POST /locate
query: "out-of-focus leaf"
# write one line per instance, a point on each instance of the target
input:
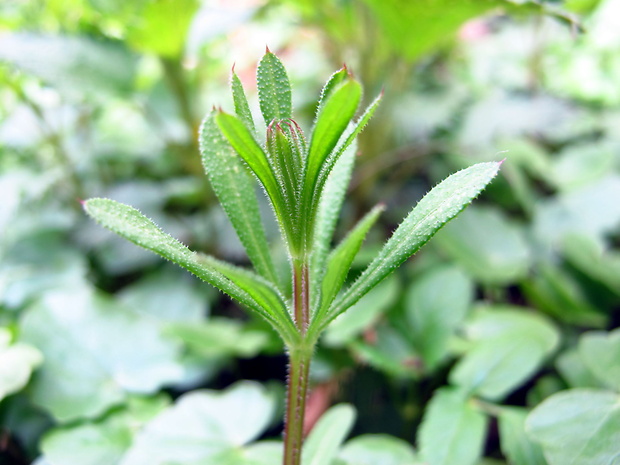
(555, 292)
(438, 207)
(79, 67)
(363, 314)
(589, 256)
(203, 425)
(324, 441)
(488, 245)
(600, 352)
(574, 371)
(577, 427)
(91, 363)
(219, 337)
(580, 165)
(452, 431)
(375, 449)
(101, 442)
(162, 27)
(516, 446)
(17, 362)
(509, 345)
(436, 304)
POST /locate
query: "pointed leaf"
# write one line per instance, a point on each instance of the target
(331, 122)
(242, 108)
(339, 261)
(328, 211)
(242, 140)
(235, 190)
(327, 435)
(452, 431)
(332, 84)
(437, 207)
(274, 89)
(249, 289)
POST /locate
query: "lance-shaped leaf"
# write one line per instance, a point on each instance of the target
(242, 107)
(242, 140)
(248, 288)
(235, 190)
(274, 89)
(332, 120)
(332, 84)
(437, 207)
(339, 262)
(326, 437)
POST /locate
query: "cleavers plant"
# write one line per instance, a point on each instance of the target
(305, 181)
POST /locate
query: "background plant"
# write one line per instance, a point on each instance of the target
(546, 237)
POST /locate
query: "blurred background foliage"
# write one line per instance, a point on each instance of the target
(104, 348)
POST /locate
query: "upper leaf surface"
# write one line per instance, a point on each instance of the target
(274, 89)
(242, 107)
(244, 286)
(235, 190)
(437, 207)
(328, 434)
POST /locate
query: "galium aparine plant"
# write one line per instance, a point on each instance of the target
(305, 179)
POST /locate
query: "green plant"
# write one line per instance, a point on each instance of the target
(305, 182)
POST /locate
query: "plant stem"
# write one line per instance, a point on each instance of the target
(300, 355)
(297, 390)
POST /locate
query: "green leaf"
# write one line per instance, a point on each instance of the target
(600, 352)
(242, 107)
(204, 426)
(363, 314)
(323, 442)
(17, 362)
(83, 373)
(334, 81)
(487, 245)
(331, 122)
(76, 66)
(377, 449)
(435, 314)
(235, 190)
(574, 371)
(509, 345)
(240, 138)
(578, 427)
(515, 444)
(452, 431)
(339, 261)
(242, 285)
(437, 207)
(274, 89)
(162, 27)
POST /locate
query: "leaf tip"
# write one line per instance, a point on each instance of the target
(267, 51)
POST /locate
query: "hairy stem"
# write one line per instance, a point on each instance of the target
(297, 390)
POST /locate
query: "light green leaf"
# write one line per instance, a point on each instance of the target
(242, 107)
(377, 449)
(76, 66)
(362, 314)
(334, 81)
(509, 345)
(162, 27)
(600, 352)
(339, 261)
(437, 207)
(242, 285)
(331, 122)
(574, 371)
(102, 442)
(274, 89)
(203, 425)
(578, 427)
(240, 138)
(488, 245)
(452, 431)
(435, 314)
(235, 190)
(91, 363)
(515, 444)
(323, 442)
(590, 257)
(17, 362)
